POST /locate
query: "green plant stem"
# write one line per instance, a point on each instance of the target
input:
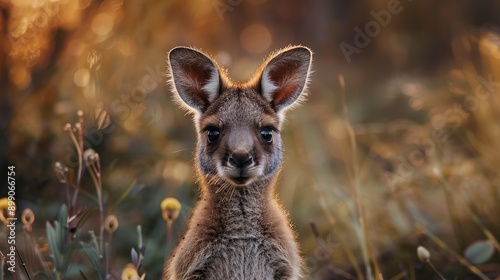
(108, 255)
(139, 237)
(68, 196)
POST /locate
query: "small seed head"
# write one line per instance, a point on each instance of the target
(28, 217)
(436, 171)
(89, 156)
(111, 223)
(61, 172)
(170, 209)
(423, 254)
(130, 273)
(4, 209)
(4, 203)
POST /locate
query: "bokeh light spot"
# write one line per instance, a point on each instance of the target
(126, 46)
(20, 76)
(223, 58)
(82, 77)
(69, 15)
(490, 44)
(409, 89)
(83, 4)
(242, 69)
(177, 171)
(337, 129)
(256, 38)
(416, 103)
(102, 24)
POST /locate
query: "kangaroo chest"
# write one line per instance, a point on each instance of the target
(244, 259)
(240, 242)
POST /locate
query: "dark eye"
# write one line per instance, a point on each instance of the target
(213, 134)
(266, 134)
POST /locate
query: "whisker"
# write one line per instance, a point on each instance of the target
(233, 190)
(221, 188)
(214, 180)
(227, 187)
(182, 150)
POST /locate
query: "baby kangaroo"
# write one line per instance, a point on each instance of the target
(238, 230)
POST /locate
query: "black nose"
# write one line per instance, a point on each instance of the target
(240, 160)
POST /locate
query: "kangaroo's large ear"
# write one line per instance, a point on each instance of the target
(194, 77)
(285, 76)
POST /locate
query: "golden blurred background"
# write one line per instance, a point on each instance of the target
(398, 145)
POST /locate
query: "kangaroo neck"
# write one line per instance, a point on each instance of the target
(238, 212)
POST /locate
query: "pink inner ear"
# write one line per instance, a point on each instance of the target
(285, 77)
(283, 93)
(284, 71)
(196, 77)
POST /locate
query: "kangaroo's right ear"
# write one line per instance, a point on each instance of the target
(194, 77)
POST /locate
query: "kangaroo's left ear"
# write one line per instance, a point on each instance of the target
(285, 75)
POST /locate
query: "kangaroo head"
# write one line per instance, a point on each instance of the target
(238, 125)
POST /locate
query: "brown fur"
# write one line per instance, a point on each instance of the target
(237, 230)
